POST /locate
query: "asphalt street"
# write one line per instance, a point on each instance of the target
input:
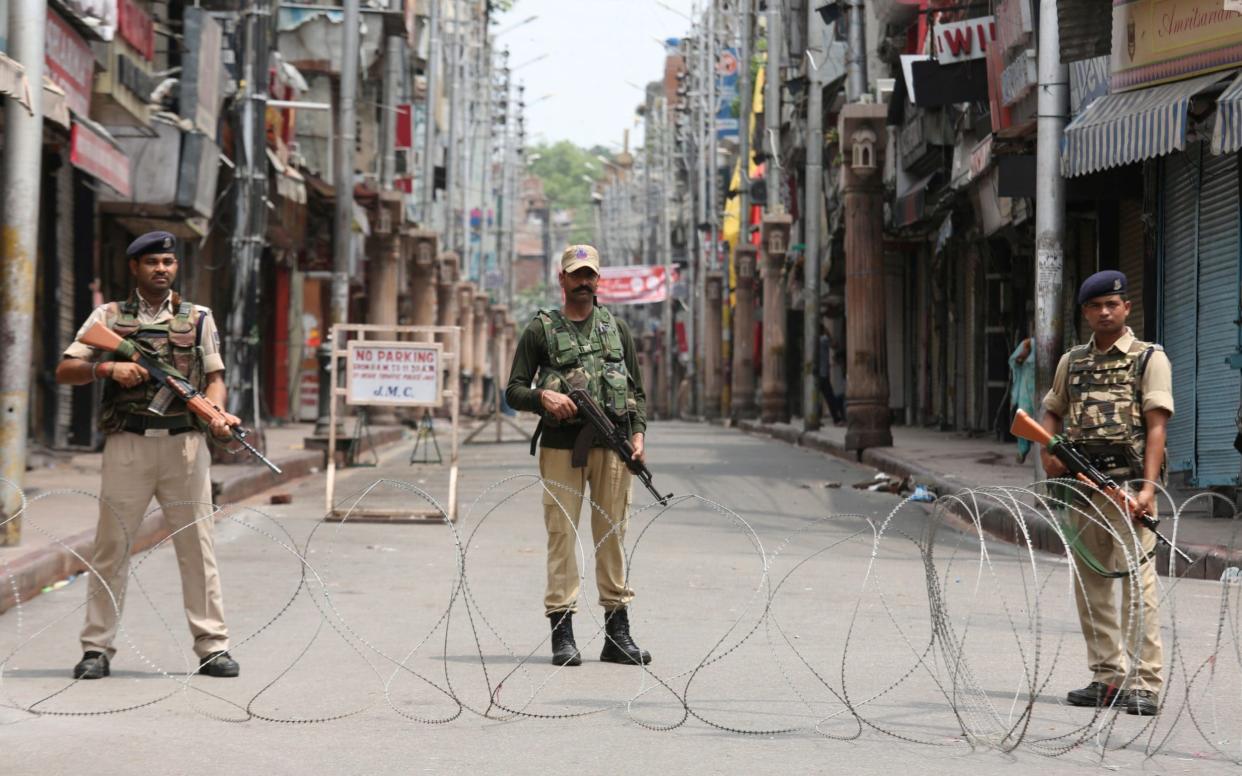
(790, 622)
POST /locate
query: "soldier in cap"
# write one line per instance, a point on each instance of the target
(152, 453)
(581, 345)
(1114, 397)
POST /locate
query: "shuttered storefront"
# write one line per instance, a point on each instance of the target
(1199, 305)
(1130, 258)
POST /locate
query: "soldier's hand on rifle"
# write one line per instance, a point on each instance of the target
(640, 451)
(221, 424)
(127, 374)
(1146, 499)
(558, 405)
(1052, 465)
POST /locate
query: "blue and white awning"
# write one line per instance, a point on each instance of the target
(1128, 127)
(1227, 136)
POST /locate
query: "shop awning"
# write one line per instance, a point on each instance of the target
(1123, 128)
(1227, 136)
(13, 80)
(94, 151)
(55, 104)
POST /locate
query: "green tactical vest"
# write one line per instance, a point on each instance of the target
(1105, 411)
(594, 361)
(175, 342)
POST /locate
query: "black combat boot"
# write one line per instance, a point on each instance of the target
(1143, 703)
(564, 650)
(618, 646)
(219, 664)
(1094, 694)
(93, 665)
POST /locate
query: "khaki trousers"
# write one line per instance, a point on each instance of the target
(172, 469)
(1118, 638)
(609, 482)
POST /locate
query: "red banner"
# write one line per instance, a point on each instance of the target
(70, 63)
(98, 156)
(640, 284)
(405, 128)
(136, 28)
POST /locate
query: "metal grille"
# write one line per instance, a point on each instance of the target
(1179, 234)
(1086, 29)
(1216, 462)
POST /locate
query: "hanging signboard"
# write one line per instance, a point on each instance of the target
(961, 41)
(726, 93)
(136, 28)
(393, 374)
(639, 284)
(97, 155)
(70, 63)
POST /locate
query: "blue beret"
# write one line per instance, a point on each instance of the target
(152, 242)
(1105, 283)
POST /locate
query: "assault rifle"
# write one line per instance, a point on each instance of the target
(169, 379)
(1079, 465)
(599, 424)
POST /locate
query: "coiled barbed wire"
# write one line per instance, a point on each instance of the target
(998, 693)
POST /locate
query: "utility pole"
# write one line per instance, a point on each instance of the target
(666, 251)
(1049, 197)
(856, 53)
(745, 104)
(452, 150)
(250, 218)
(706, 338)
(772, 104)
(811, 213)
(23, 156)
(430, 111)
(345, 164)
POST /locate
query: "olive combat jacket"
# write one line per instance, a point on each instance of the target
(594, 362)
(1105, 412)
(176, 342)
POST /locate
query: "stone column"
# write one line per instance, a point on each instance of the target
(446, 306)
(659, 392)
(383, 289)
(465, 319)
(424, 293)
(497, 352)
(482, 362)
(712, 378)
(742, 390)
(646, 363)
(773, 407)
(867, 414)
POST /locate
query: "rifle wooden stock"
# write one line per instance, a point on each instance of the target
(101, 337)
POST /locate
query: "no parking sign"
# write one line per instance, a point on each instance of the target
(401, 374)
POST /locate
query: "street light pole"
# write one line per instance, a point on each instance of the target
(344, 182)
(430, 111)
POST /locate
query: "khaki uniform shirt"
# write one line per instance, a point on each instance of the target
(1157, 386)
(209, 340)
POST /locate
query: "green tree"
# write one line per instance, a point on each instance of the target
(566, 171)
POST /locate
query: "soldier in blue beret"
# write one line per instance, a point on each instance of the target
(153, 450)
(1113, 396)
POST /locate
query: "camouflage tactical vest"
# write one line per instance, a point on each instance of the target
(594, 361)
(1105, 411)
(175, 342)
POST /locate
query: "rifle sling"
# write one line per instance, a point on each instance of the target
(582, 446)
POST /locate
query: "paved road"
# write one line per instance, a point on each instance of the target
(321, 651)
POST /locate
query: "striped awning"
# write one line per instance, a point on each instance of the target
(1227, 136)
(1119, 129)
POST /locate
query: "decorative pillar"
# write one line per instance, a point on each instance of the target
(496, 353)
(712, 361)
(465, 319)
(772, 405)
(646, 363)
(482, 326)
(424, 293)
(384, 287)
(867, 416)
(742, 389)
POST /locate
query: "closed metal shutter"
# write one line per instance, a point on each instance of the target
(1217, 383)
(1130, 248)
(1179, 234)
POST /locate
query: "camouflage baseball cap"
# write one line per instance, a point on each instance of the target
(576, 257)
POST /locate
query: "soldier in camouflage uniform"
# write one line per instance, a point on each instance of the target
(147, 454)
(1114, 396)
(582, 345)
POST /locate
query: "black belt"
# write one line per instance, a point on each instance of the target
(140, 424)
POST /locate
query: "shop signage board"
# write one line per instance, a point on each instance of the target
(1156, 41)
(965, 40)
(136, 28)
(637, 284)
(98, 156)
(70, 63)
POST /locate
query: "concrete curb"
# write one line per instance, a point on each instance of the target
(33, 571)
(995, 522)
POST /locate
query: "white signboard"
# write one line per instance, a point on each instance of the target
(960, 41)
(396, 374)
